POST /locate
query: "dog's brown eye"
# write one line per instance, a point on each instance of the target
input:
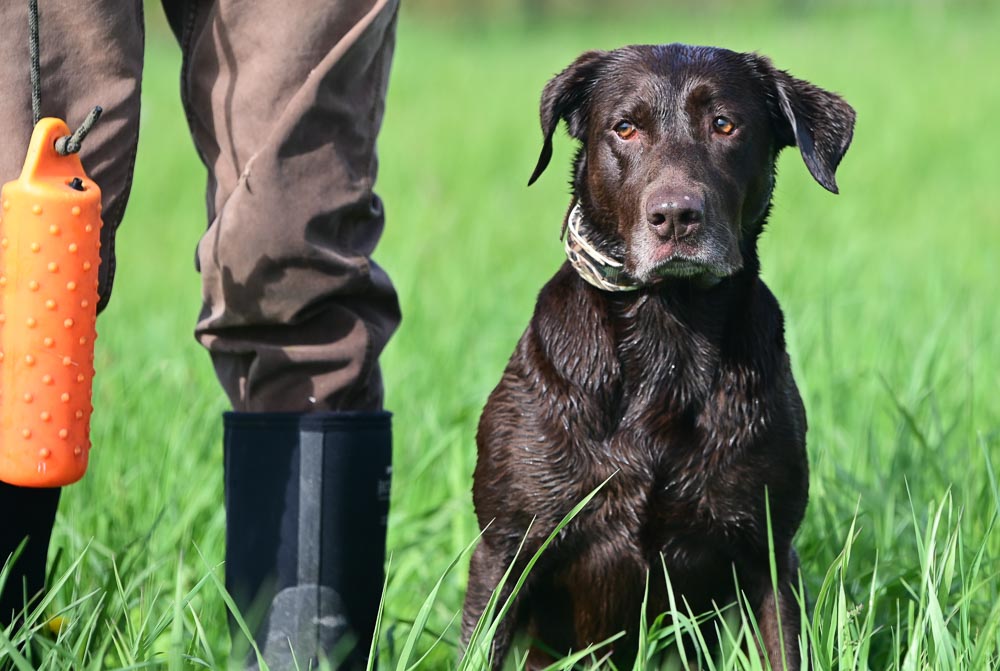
(626, 130)
(723, 125)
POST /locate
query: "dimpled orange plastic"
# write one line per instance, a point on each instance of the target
(49, 255)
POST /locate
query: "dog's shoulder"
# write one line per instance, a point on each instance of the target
(571, 334)
(564, 365)
(567, 303)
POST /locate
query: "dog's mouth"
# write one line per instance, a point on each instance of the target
(676, 259)
(682, 268)
(699, 258)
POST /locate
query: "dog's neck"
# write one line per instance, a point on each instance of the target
(673, 345)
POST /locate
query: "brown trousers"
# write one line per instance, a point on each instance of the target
(284, 101)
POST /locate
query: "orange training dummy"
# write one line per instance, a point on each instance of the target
(50, 223)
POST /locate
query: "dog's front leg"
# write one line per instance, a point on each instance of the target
(486, 570)
(777, 612)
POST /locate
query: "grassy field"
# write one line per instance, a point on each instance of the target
(890, 294)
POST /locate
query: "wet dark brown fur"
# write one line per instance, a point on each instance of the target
(679, 394)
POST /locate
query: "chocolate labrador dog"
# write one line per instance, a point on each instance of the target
(656, 360)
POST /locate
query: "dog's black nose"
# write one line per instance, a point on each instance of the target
(674, 214)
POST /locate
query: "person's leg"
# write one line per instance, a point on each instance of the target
(306, 501)
(32, 524)
(91, 54)
(284, 102)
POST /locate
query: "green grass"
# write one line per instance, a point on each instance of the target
(889, 290)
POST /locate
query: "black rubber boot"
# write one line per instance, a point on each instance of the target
(307, 496)
(27, 513)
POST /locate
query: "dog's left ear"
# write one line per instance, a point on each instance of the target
(819, 122)
(565, 97)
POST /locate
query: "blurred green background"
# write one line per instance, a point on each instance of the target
(889, 290)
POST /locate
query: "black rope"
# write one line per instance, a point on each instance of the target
(69, 144)
(36, 75)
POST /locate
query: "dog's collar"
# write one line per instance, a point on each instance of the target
(601, 271)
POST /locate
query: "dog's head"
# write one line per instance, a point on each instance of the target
(676, 168)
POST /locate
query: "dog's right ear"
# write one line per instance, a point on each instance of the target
(565, 97)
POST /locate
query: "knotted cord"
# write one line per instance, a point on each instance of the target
(69, 144)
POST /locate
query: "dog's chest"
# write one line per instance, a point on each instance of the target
(669, 494)
(683, 462)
